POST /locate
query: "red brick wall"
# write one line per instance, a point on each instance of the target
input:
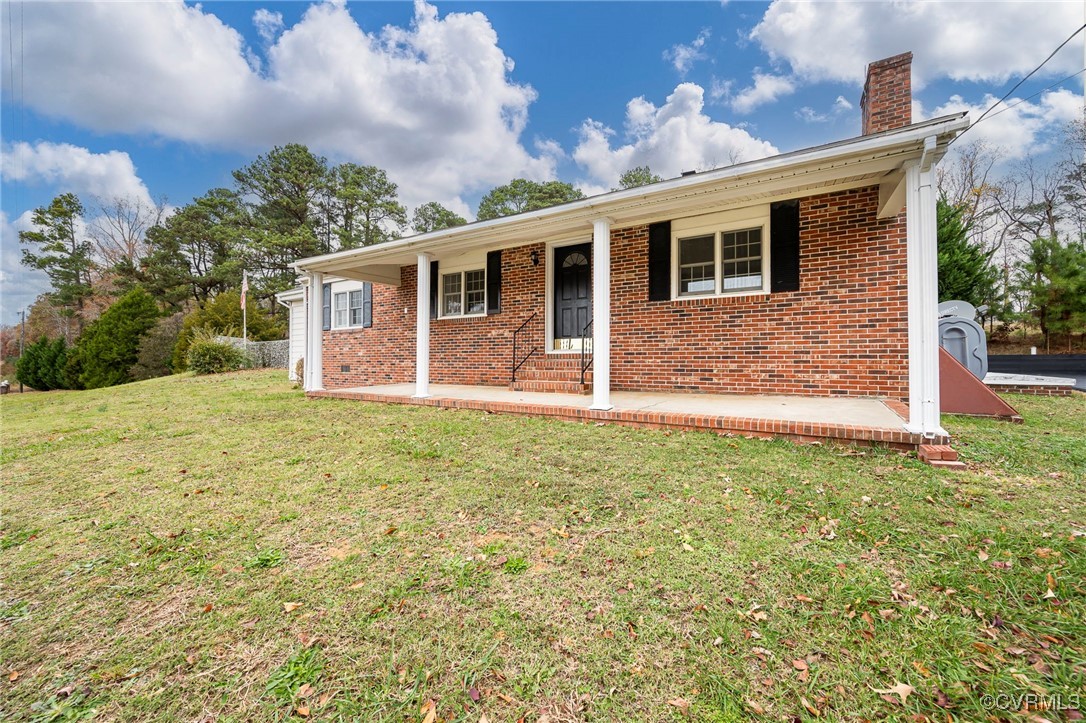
(843, 333)
(887, 100)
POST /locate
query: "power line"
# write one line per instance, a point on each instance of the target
(1019, 83)
(1031, 97)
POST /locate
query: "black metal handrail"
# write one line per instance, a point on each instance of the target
(584, 338)
(518, 364)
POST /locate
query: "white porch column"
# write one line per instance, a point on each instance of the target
(422, 329)
(314, 335)
(601, 314)
(923, 296)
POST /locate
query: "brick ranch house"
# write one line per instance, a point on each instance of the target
(811, 273)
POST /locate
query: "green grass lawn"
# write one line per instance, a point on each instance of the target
(220, 548)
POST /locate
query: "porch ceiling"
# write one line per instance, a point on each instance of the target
(865, 161)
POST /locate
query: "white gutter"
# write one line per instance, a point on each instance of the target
(602, 205)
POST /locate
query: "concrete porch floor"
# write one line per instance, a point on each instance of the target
(858, 420)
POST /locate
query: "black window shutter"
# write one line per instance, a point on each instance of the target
(784, 246)
(326, 307)
(493, 282)
(367, 304)
(433, 289)
(660, 261)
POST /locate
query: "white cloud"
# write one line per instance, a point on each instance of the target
(808, 114)
(958, 40)
(1017, 128)
(677, 136)
(73, 169)
(432, 104)
(21, 285)
(766, 89)
(683, 57)
(269, 24)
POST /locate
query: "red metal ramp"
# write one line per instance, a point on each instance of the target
(962, 393)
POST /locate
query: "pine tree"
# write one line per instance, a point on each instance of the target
(62, 252)
(110, 346)
(965, 270)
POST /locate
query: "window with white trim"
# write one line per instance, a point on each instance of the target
(463, 293)
(721, 262)
(347, 307)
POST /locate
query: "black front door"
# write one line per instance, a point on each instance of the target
(572, 290)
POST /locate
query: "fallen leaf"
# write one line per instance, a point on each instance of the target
(14, 676)
(391, 531)
(804, 598)
(982, 556)
(190, 659)
(473, 693)
(484, 719)
(302, 710)
(207, 608)
(687, 547)
(357, 585)
(305, 691)
(904, 690)
(428, 711)
(682, 704)
(920, 668)
(810, 708)
(942, 699)
(799, 664)
(291, 606)
(755, 707)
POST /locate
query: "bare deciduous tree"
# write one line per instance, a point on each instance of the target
(119, 229)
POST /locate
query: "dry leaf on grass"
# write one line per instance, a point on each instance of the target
(302, 710)
(904, 690)
(810, 708)
(682, 704)
(428, 711)
(290, 607)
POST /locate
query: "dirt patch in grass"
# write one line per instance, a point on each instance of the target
(221, 547)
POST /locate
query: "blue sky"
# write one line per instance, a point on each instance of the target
(164, 100)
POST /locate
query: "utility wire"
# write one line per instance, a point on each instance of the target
(1031, 97)
(1019, 83)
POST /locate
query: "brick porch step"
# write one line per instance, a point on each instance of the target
(936, 452)
(538, 385)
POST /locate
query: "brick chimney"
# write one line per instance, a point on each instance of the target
(887, 102)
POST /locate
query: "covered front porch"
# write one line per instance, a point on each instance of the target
(849, 420)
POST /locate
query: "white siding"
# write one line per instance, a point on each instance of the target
(297, 336)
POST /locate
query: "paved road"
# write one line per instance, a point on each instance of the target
(1072, 366)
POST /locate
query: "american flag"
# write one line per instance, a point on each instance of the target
(244, 287)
